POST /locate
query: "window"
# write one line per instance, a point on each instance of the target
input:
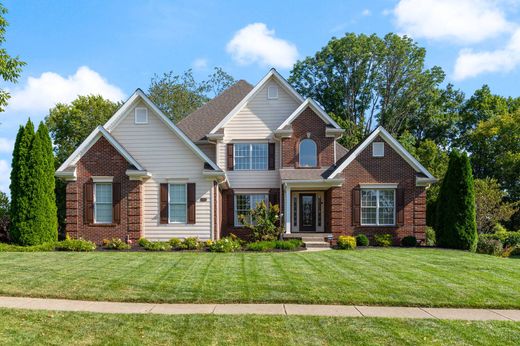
(177, 197)
(378, 207)
(308, 153)
(102, 202)
(272, 92)
(378, 149)
(244, 204)
(141, 115)
(250, 156)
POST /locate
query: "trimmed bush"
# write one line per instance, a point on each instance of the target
(79, 245)
(430, 236)
(362, 240)
(270, 245)
(226, 244)
(456, 225)
(175, 243)
(191, 243)
(512, 239)
(409, 241)
(489, 246)
(261, 246)
(157, 246)
(290, 245)
(143, 242)
(115, 244)
(346, 242)
(34, 248)
(383, 240)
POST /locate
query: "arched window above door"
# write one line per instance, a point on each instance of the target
(308, 153)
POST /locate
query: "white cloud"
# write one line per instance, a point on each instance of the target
(200, 64)
(366, 12)
(255, 43)
(463, 21)
(6, 145)
(5, 172)
(470, 64)
(41, 93)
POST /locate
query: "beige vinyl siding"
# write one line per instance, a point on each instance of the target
(256, 123)
(168, 159)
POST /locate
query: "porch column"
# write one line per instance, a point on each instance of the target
(287, 209)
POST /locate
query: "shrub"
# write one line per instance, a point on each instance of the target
(430, 236)
(515, 251)
(409, 241)
(190, 243)
(115, 244)
(384, 240)
(34, 248)
(260, 246)
(143, 242)
(269, 245)
(79, 245)
(291, 244)
(489, 246)
(175, 243)
(208, 244)
(226, 244)
(362, 240)
(156, 246)
(346, 242)
(512, 239)
(265, 223)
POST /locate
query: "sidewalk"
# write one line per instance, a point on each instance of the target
(261, 309)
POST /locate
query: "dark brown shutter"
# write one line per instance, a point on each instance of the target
(399, 198)
(191, 203)
(272, 156)
(230, 156)
(163, 207)
(230, 208)
(88, 205)
(274, 196)
(356, 206)
(116, 203)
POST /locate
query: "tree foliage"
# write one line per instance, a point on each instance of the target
(4, 217)
(491, 206)
(179, 95)
(455, 216)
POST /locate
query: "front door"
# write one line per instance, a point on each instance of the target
(307, 212)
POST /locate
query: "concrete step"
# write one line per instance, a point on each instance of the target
(316, 244)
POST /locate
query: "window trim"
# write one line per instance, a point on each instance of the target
(377, 224)
(236, 222)
(300, 151)
(185, 203)
(382, 154)
(250, 144)
(135, 116)
(111, 203)
(269, 96)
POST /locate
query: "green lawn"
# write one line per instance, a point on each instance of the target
(396, 276)
(52, 328)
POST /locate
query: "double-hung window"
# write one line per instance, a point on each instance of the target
(245, 203)
(250, 156)
(177, 203)
(378, 207)
(103, 203)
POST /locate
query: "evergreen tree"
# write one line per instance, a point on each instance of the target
(456, 213)
(20, 208)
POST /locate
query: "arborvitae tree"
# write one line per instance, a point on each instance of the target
(19, 190)
(456, 225)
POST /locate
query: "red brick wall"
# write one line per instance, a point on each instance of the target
(308, 122)
(391, 168)
(103, 160)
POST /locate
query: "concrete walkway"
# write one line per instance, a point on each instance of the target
(261, 309)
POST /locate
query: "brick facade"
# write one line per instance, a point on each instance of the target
(103, 160)
(308, 122)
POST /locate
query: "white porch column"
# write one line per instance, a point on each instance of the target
(287, 209)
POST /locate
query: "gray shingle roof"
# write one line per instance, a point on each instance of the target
(301, 173)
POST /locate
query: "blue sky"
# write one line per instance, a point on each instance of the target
(114, 47)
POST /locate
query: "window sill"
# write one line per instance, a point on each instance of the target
(382, 226)
(102, 224)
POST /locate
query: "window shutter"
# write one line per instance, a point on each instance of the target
(230, 156)
(88, 205)
(356, 206)
(272, 156)
(399, 198)
(274, 196)
(191, 203)
(163, 207)
(230, 208)
(116, 203)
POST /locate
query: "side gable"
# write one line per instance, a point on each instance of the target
(382, 133)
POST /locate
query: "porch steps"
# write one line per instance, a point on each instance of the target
(312, 241)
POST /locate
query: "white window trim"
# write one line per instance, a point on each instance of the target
(269, 96)
(374, 144)
(377, 224)
(95, 202)
(236, 222)
(251, 156)
(186, 203)
(135, 115)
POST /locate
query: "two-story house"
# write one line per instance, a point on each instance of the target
(140, 175)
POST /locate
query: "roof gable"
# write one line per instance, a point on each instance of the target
(387, 137)
(272, 74)
(316, 108)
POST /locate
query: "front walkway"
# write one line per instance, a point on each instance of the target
(261, 309)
